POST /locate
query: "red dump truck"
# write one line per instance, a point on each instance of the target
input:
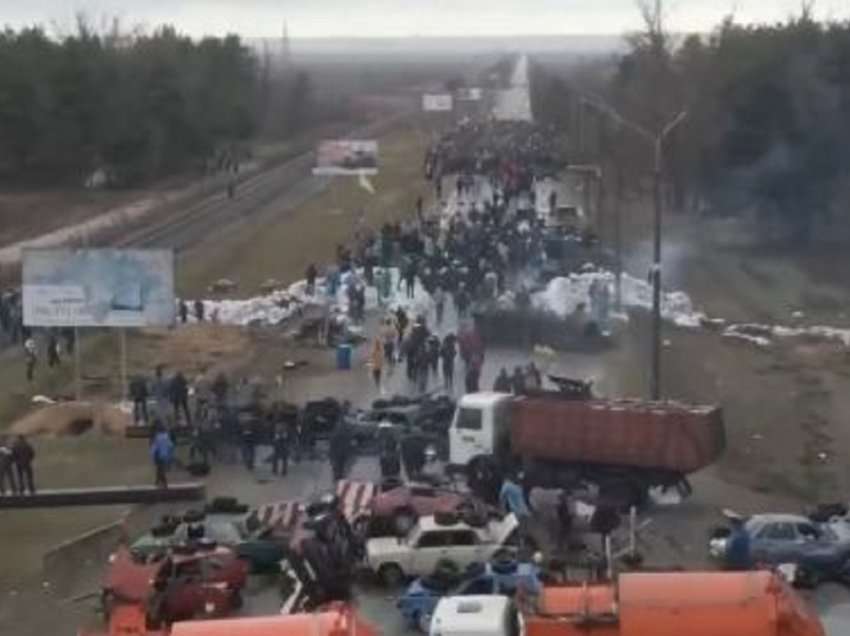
(624, 447)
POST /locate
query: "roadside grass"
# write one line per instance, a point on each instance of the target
(284, 241)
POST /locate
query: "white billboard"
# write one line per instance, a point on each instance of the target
(437, 102)
(98, 288)
(347, 157)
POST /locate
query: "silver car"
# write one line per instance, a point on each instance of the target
(820, 551)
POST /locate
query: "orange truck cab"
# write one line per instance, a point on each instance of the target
(673, 604)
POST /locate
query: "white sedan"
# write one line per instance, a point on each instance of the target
(428, 542)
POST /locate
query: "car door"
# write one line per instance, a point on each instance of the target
(430, 547)
(465, 547)
(776, 542)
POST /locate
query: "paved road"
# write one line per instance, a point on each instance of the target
(514, 103)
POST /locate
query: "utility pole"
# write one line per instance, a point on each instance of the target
(657, 141)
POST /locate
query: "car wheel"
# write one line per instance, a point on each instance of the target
(423, 622)
(403, 521)
(391, 575)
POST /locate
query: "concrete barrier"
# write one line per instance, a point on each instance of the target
(79, 562)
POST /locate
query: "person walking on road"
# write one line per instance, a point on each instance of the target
(199, 310)
(162, 452)
(512, 500)
(183, 310)
(503, 382)
(7, 474)
(448, 353)
(161, 394)
(340, 446)
(439, 305)
(23, 455)
(280, 451)
(376, 361)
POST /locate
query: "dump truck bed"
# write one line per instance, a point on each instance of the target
(651, 435)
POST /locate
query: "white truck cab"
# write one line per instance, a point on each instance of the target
(476, 616)
(481, 420)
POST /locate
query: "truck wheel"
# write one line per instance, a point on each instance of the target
(391, 575)
(403, 520)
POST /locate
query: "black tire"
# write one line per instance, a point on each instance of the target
(391, 575)
(403, 521)
(194, 516)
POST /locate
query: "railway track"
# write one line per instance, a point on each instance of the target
(183, 228)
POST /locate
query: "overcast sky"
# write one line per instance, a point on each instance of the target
(317, 18)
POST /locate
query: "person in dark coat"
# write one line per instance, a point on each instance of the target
(340, 448)
(448, 353)
(199, 310)
(503, 382)
(311, 275)
(7, 463)
(183, 310)
(53, 359)
(472, 379)
(517, 384)
(23, 455)
(139, 395)
(388, 453)
(179, 390)
(280, 447)
(413, 456)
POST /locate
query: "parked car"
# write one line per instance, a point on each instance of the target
(820, 551)
(206, 581)
(260, 536)
(395, 510)
(394, 559)
(502, 577)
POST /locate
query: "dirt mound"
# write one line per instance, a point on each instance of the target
(73, 418)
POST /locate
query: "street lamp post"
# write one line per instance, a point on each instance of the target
(657, 141)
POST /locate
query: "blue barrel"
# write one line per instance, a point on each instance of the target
(343, 357)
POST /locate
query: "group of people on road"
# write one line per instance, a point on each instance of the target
(16, 466)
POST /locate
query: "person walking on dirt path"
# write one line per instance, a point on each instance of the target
(180, 398)
(389, 335)
(376, 361)
(7, 474)
(199, 310)
(31, 353)
(23, 454)
(162, 452)
(448, 353)
(53, 359)
(139, 395)
(183, 310)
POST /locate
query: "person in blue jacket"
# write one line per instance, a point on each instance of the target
(162, 452)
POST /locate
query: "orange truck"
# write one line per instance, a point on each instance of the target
(664, 604)
(334, 620)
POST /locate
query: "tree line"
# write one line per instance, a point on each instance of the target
(137, 107)
(768, 126)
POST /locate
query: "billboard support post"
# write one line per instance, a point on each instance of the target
(123, 364)
(78, 388)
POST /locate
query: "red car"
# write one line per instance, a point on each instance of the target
(394, 508)
(186, 584)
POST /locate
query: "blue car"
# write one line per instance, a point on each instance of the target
(504, 577)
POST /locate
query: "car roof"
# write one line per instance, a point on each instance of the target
(428, 523)
(483, 399)
(475, 614)
(762, 519)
